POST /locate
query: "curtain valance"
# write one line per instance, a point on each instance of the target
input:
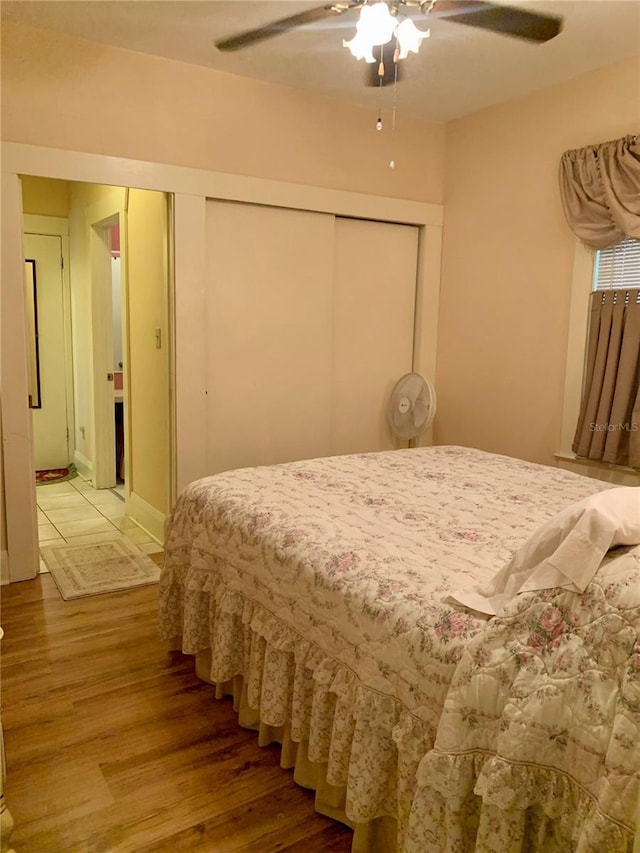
(600, 191)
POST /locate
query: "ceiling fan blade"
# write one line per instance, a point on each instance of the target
(391, 68)
(508, 20)
(275, 28)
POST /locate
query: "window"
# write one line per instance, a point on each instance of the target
(618, 266)
(608, 416)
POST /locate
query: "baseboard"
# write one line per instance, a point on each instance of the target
(147, 516)
(4, 568)
(84, 466)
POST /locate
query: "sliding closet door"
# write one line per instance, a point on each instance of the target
(373, 310)
(270, 334)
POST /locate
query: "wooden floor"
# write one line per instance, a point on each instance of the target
(113, 744)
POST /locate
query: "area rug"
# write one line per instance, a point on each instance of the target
(81, 570)
(55, 475)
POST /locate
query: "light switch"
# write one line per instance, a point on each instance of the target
(158, 338)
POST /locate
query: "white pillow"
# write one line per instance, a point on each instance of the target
(566, 551)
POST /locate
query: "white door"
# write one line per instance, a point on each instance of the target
(269, 291)
(374, 293)
(50, 426)
(310, 322)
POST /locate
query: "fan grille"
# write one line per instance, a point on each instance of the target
(412, 406)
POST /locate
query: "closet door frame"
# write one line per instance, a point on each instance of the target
(190, 189)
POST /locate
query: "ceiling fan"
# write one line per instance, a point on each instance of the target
(506, 20)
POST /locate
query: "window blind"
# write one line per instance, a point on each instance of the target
(618, 266)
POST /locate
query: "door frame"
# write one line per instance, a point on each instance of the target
(104, 435)
(56, 226)
(190, 188)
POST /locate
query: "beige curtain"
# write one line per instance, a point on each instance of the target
(609, 423)
(600, 191)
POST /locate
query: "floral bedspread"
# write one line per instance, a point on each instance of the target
(542, 722)
(323, 582)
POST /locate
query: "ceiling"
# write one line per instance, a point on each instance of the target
(459, 70)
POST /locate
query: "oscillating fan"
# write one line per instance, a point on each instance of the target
(412, 406)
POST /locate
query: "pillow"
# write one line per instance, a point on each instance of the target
(565, 552)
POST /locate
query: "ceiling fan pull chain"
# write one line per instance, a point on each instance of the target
(379, 121)
(392, 162)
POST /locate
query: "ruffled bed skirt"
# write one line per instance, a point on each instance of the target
(357, 747)
(379, 834)
(371, 762)
(486, 824)
(479, 803)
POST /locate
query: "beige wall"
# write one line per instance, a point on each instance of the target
(508, 253)
(45, 196)
(148, 374)
(63, 92)
(507, 261)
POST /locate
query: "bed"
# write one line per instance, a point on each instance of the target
(316, 593)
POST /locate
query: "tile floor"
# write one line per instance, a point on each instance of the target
(75, 512)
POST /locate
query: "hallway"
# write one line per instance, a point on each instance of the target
(74, 512)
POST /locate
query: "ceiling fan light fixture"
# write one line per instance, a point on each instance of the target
(375, 27)
(361, 48)
(409, 37)
(376, 23)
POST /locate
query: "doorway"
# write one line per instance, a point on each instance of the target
(51, 388)
(115, 387)
(118, 359)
